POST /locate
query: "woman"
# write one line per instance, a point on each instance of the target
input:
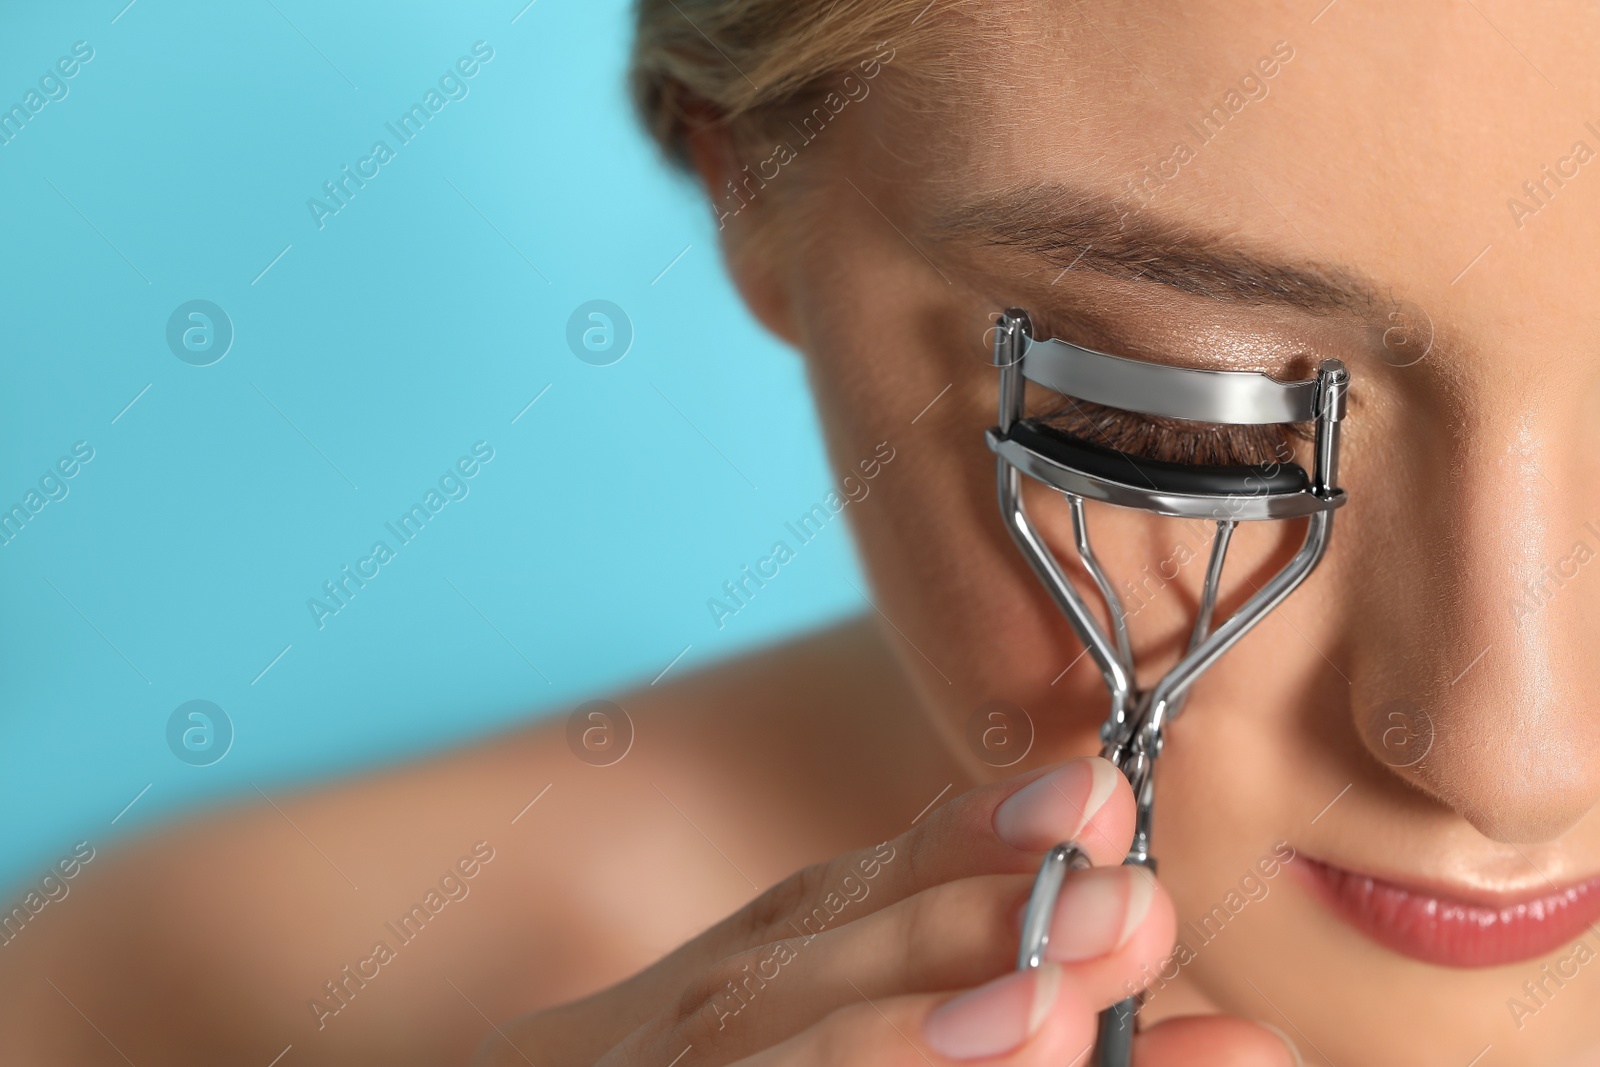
(1372, 815)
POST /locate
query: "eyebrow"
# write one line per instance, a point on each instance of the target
(1076, 230)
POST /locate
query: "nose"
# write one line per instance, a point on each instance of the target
(1476, 686)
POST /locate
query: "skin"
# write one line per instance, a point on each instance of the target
(1384, 151)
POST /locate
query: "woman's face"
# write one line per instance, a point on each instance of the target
(1413, 189)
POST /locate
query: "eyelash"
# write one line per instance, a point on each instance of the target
(1174, 440)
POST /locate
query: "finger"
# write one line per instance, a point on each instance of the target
(999, 828)
(1112, 925)
(1023, 1019)
(1214, 1041)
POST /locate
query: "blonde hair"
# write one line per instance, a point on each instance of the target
(701, 63)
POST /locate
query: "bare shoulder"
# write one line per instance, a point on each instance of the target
(399, 909)
(712, 787)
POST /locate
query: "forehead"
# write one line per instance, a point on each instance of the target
(1433, 147)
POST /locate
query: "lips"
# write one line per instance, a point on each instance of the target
(1450, 931)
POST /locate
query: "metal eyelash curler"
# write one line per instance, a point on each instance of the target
(1133, 732)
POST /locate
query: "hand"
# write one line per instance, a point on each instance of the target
(903, 954)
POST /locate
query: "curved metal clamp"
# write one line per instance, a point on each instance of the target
(1042, 901)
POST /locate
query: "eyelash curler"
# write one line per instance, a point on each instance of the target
(1082, 470)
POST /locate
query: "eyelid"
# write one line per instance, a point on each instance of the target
(1223, 348)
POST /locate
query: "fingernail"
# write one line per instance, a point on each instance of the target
(1056, 807)
(1294, 1050)
(995, 1018)
(1097, 913)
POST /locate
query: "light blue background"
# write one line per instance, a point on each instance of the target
(369, 357)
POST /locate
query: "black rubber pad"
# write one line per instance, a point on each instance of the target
(1160, 475)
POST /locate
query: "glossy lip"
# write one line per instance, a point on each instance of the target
(1452, 931)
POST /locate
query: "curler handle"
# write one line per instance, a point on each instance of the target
(1113, 1045)
(1114, 1040)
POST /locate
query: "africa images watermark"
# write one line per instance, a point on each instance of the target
(1253, 887)
(1000, 733)
(454, 885)
(1198, 537)
(1139, 591)
(852, 889)
(1538, 193)
(452, 485)
(452, 86)
(52, 888)
(52, 88)
(52, 487)
(741, 590)
(1553, 577)
(1537, 993)
(1251, 87)
(853, 89)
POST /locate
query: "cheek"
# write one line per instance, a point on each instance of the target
(1157, 567)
